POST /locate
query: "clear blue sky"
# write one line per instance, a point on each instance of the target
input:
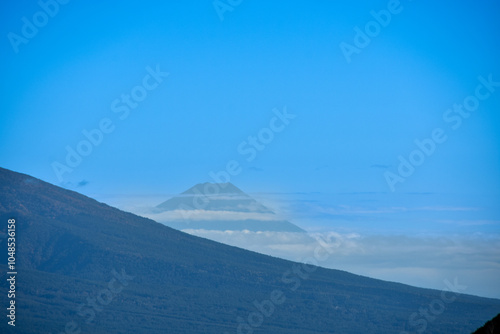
(353, 119)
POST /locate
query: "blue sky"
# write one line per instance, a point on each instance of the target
(353, 119)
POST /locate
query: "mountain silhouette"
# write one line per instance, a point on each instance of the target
(214, 197)
(86, 267)
(491, 327)
(221, 207)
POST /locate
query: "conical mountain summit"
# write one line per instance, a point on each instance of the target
(219, 206)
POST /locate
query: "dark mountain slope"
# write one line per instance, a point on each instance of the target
(491, 327)
(71, 251)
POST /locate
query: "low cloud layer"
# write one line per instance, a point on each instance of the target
(421, 261)
(199, 215)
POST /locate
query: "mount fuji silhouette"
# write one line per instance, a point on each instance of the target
(221, 207)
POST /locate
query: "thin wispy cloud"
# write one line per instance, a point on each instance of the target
(471, 222)
(82, 183)
(380, 166)
(255, 169)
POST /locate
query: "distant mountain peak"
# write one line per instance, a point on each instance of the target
(219, 206)
(210, 189)
(214, 197)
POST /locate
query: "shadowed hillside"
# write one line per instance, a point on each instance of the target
(491, 327)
